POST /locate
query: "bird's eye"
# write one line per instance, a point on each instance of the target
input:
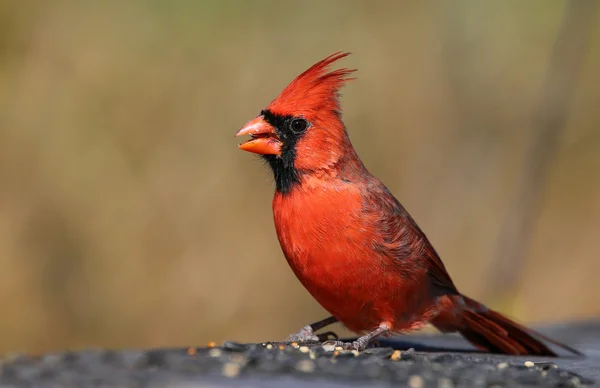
(298, 125)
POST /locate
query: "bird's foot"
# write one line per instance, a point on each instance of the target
(307, 334)
(360, 344)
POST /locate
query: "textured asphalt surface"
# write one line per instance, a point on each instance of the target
(414, 361)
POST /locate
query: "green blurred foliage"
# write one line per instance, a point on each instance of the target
(129, 218)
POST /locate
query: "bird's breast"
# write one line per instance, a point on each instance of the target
(329, 242)
(320, 231)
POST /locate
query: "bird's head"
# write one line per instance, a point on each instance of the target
(301, 131)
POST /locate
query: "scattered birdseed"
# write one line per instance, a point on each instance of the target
(212, 344)
(191, 351)
(304, 349)
(281, 347)
(231, 369)
(529, 364)
(336, 353)
(416, 382)
(305, 366)
(215, 352)
(396, 355)
(148, 367)
(295, 344)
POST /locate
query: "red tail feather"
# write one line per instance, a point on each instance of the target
(491, 331)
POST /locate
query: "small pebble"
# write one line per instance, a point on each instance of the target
(212, 344)
(231, 369)
(529, 364)
(396, 355)
(305, 366)
(304, 349)
(416, 382)
(502, 365)
(269, 346)
(215, 352)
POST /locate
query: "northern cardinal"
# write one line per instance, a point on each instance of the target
(349, 240)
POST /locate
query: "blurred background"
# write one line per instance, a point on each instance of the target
(129, 218)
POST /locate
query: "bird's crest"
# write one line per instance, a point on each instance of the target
(313, 90)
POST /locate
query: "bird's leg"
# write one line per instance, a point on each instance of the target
(362, 342)
(307, 333)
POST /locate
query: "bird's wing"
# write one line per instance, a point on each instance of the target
(402, 237)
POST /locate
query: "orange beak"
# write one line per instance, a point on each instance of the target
(263, 138)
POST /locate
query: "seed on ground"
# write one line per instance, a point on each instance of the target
(215, 352)
(231, 369)
(502, 365)
(416, 382)
(305, 366)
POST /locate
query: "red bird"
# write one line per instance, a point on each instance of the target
(349, 241)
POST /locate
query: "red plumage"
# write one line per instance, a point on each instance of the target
(313, 90)
(348, 240)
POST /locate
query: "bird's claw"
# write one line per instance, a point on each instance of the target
(306, 334)
(354, 345)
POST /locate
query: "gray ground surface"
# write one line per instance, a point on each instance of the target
(437, 361)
